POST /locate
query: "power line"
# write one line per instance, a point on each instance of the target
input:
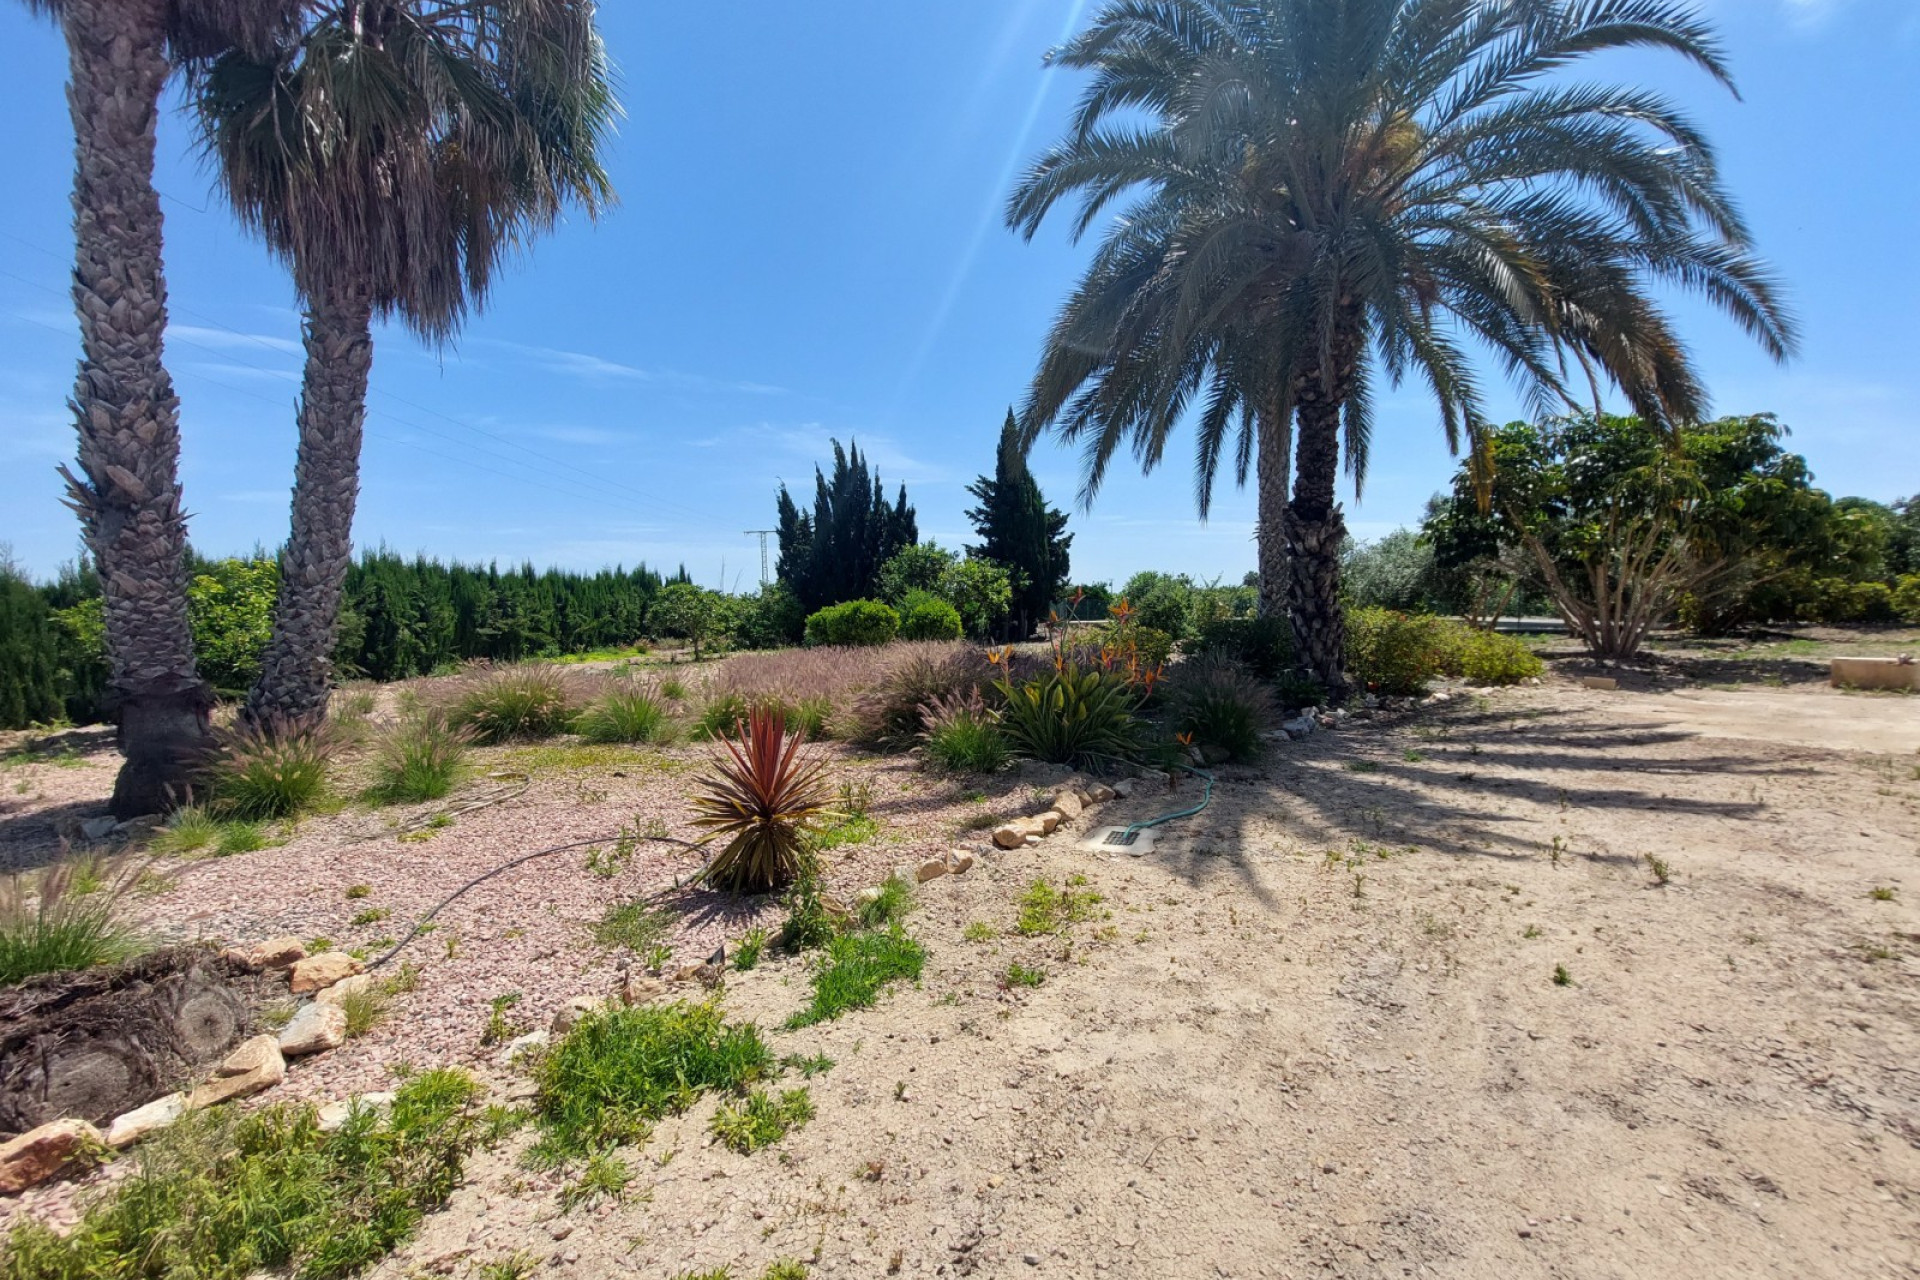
(763, 533)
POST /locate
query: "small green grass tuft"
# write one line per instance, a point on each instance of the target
(746, 954)
(855, 828)
(372, 915)
(1019, 975)
(633, 925)
(604, 1177)
(855, 968)
(761, 1119)
(359, 891)
(1662, 869)
(895, 900)
(1881, 893)
(1561, 978)
(979, 931)
(1045, 909)
(47, 924)
(241, 837)
(808, 1067)
(189, 830)
(515, 1266)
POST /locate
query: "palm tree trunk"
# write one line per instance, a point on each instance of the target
(1276, 448)
(129, 500)
(296, 674)
(1315, 531)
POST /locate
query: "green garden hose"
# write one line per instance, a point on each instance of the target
(1126, 837)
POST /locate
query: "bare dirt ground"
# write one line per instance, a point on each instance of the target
(1315, 1031)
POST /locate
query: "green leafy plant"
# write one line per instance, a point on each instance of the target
(1394, 653)
(421, 757)
(617, 1072)
(808, 924)
(189, 830)
(1084, 717)
(1217, 702)
(926, 617)
(224, 1194)
(746, 954)
(259, 772)
(1488, 658)
(47, 926)
(516, 704)
(1561, 978)
(763, 796)
(604, 1177)
(979, 931)
(240, 837)
(761, 1119)
(632, 713)
(854, 969)
(1881, 893)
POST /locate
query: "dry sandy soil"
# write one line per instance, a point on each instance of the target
(1315, 1031)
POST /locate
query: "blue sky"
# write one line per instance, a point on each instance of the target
(809, 246)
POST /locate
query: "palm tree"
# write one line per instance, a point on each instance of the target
(393, 155)
(1335, 188)
(120, 53)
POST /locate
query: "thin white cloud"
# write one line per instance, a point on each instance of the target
(231, 339)
(221, 369)
(593, 368)
(256, 497)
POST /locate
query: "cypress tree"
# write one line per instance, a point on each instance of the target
(1019, 530)
(835, 553)
(29, 657)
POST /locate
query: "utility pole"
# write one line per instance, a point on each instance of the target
(762, 534)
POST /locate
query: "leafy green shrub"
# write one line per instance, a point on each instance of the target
(1294, 689)
(856, 622)
(926, 617)
(225, 1194)
(268, 771)
(1489, 658)
(761, 1120)
(50, 921)
(1074, 716)
(516, 703)
(420, 758)
(1265, 645)
(855, 968)
(1217, 700)
(1395, 653)
(1906, 598)
(617, 1072)
(962, 734)
(1162, 601)
(633, 713)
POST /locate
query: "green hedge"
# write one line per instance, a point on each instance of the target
(927, 617)
(856, 622)
(1398, 654)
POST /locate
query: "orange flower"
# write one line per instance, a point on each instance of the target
(1121, 611)
(1184, 739)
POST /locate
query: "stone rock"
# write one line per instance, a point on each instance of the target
(1299, 726)
(576, 1008)
(277, 953)
(1100, 793)
(316, 973)
(867, 896)
(98, 828)
(315, 1028)
(1123, 788)
(141, 1121)
(1011, 835)
(1068, 805)
(523, 1044)
(342, 989)
(335, 1114)
(1045, 824)
(1605, 684)
(640, 988)
(707, 975)
(1215, 755)
(931, 869)
(1032, 841)
(959, 862)
(1040, 771)
(1197, 756)
(40, 1154)
(254, 1067)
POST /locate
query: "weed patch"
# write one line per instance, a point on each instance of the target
(1045, 909)
(855, 968)
(761, 1119)
(633, 925)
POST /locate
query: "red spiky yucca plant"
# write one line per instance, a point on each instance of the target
(764, 794)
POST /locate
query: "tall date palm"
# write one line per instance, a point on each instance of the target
(1330, 189)
(393, 155)
(127, 495)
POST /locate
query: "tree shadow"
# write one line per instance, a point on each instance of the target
(29, 841)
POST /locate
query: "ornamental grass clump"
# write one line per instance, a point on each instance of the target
(765, 794)
(66, 916)
(516, 704)
(265, 771)
(420, 758)
(627, 713)
(1216, 701)
(961, 733)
